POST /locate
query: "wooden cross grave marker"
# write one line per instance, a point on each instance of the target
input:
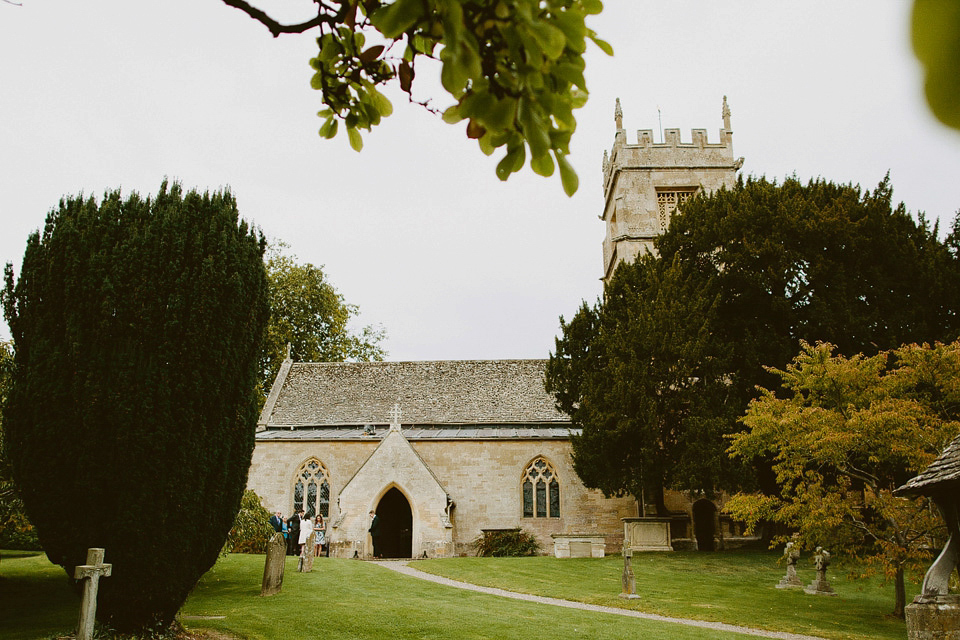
(90, 573)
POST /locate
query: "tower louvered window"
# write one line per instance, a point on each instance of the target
(668, 201)
(541, 491)
(311, 489)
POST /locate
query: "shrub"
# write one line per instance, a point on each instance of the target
(251, 530)
(509, 542)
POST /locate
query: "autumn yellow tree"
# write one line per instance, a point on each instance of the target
(843, 434)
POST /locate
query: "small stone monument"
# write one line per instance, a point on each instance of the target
(305, 564)
(935, 613)
(90, 573)
(273, 565)
(820, 586)
(790, 581)
(629, 581)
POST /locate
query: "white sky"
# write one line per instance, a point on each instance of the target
(416, 229)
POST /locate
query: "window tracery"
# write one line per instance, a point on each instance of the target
(668, 201)
(541, 490)
(311, 489)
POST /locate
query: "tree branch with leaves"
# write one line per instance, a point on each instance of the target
(514, 67)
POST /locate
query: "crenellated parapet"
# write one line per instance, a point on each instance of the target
(644, 182)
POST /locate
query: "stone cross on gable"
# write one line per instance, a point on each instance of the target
(395, 417)
(90, 573)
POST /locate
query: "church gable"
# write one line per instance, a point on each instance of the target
(395, 467)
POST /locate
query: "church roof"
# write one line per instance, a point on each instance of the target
(943, 474)
(436, 396)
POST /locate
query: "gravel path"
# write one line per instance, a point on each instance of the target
(401, 566)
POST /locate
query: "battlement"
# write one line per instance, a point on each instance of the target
(671, 152)
(644, 183)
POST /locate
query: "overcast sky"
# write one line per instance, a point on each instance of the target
(416, 229)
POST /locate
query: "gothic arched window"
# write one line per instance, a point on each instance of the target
(311, 489)
(541, 490)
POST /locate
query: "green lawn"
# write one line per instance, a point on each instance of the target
(733, 587)
(352, 599)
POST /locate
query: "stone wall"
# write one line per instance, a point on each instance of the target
(482, 477)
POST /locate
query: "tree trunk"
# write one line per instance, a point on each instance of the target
(898, 609)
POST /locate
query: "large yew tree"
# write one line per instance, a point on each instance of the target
(658, 371)
(131, 413)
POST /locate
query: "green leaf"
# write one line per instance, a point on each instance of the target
(502, 114)
(568, 177)
(512, 162)
(393, 19)
(592, 7)
(356, 141)
(452, 114)
(380, 101)
(936, 25)
(551, 39)
(603, 44)
(329, 128)
(542, 165)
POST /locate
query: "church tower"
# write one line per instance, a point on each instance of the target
(643, 183)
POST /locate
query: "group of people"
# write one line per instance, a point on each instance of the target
(297, 528)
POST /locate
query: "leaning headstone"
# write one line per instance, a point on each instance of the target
(935, 613)
(820, 586)
(273, 566)
(790, 581)
(90, 574)
(628, 579)
(305, 564)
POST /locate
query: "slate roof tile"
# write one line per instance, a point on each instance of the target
(446, 392)
(942, 474)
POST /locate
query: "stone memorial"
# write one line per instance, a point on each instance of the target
(646, 534)
(90, 573)
(790, 581)
(274, 565)
(628, 579)
(578, 545)
(935, 613)
(820, 586)
(305, 563)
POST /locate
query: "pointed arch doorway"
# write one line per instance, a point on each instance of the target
(396, 525)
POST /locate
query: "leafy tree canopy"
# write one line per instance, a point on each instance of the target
(132, 407)
(661, 368)
(845, 433)
(310, 315)
(514, 67)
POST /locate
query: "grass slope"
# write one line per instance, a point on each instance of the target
(350, 599)
(733, 587)
(341, 599)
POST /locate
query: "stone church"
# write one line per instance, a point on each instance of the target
(445, 450)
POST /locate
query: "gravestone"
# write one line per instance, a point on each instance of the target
(273, 565)
(790, 581)
(628, 579)
(90, 574)
(935, 613)
(820, 586)
(305, 564)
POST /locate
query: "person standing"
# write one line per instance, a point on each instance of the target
(375, 533)
(276, 521)
(293, 529)
(320, 538)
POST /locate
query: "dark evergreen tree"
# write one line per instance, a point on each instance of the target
(659, 370)
(130, 417)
